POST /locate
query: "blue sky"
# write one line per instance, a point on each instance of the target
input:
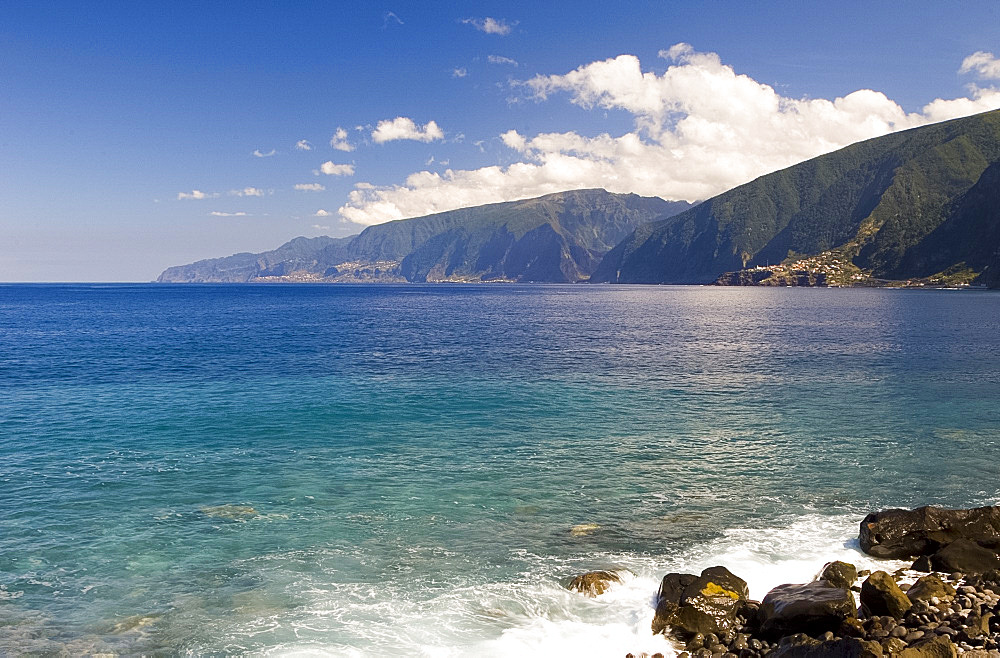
(134, 136)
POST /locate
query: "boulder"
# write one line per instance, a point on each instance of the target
(801, 646)
(881, 596)
(938, 647)
(594, 583)
(928, 587)
(668, 599)
(839, 574)
(813, 608)
(708, 604)
(965, 556)
(900, 533)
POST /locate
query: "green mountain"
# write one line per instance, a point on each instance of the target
(555, 238)
(910, 204)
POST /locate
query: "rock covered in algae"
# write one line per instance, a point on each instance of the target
(230, 512)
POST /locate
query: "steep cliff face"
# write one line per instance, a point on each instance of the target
(903, 205)
(555, 238)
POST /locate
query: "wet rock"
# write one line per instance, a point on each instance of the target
(594, 583)
(839, 574)
(708, 604)
(881, 596)
(966, 556)
(930, 587)
(900, 533)
(669, 598)
(938, 647)
(922, 563)
(813, 608)
(805, 647)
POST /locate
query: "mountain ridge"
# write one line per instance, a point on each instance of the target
(558, 237)
(876, 201)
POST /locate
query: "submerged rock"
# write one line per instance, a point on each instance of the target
(594, 583)
(230, 512)
(813, 608)
(582, 529)
(901, 533)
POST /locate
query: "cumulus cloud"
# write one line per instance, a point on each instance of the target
(303, 145)
(404, 128)
(262, 154)
(322, 213)
(339, 141)
(500, 59)
(216, 213)
(309, 187)
(459, 72)
(699, 129)
(490, 25)
(331, 169)
(195, 195)
(247, 191)
(983, 63)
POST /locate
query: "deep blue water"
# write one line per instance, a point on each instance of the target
(417, 457)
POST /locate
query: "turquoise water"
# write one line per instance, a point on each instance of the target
(398, 470)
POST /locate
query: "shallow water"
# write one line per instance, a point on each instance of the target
(365, 470)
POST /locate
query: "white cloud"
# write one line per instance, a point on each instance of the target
(500, 59)
(983, 63)
(322, 213)
(490, 25)
(339, 141)
(216, 213)
(699, 129)
(459, 72)
(196, 195)
(391, 17)
(319, 227)
(261, 154)
(247, 191)
(303, 145)
(309, 187)
(405, 128)
(331, 169)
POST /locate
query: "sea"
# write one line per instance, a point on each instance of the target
(418, 470)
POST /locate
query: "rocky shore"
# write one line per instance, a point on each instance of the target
(947, 603)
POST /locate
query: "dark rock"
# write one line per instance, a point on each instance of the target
(929, 587)
(922, 563)
(851, 627)
(881, 596)
(805, 647)
(669, 598)
(967, 556)
(812, 608)
(709, 604)
(900, 533)
(938, 647)
(839, 574)
(594, 583)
